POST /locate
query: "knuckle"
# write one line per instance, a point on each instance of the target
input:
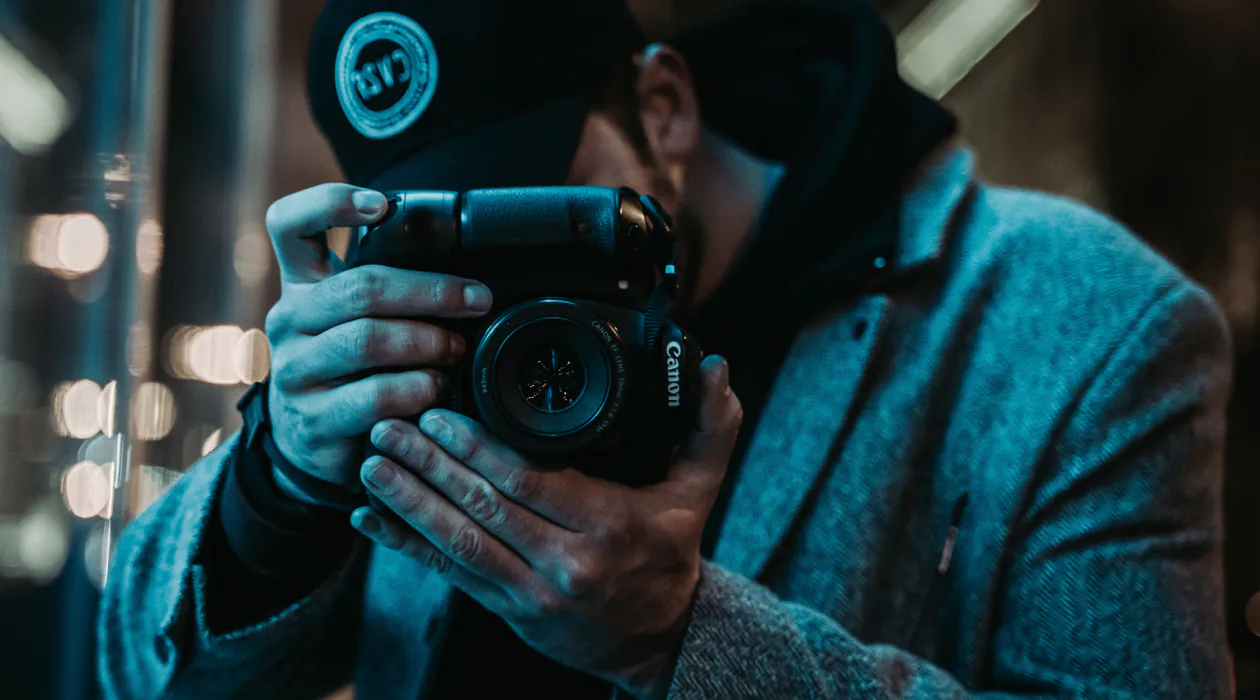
(412, 502)
(416, 548)
(519, 484)
(358, 339)
(306, 427)
(381, 397)
(466, 545)
(444, 293)
(428, 388)
(274, 220)
(375, 342)
(420, 391)
(422, 343)
(359, 289)
(613, 532)
(277, 322)
(547, 604)
(581, 578)
(360, 399)
(436, 561)
(482, 504)
(433, 343)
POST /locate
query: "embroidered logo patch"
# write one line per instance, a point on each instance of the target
(387, 71)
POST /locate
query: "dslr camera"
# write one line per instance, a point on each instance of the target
(578, 361)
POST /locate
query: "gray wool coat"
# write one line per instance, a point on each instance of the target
(998, 478)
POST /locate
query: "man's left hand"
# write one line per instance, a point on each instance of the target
(598, 576)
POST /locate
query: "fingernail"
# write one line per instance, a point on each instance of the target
(457, 344)
(369, 203)
(436, 427)
(385, 436)
(379, 474)
(365, 522)
(477, 297)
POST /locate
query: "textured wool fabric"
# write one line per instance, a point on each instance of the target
(999, 478)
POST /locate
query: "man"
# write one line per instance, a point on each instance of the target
(981, 431)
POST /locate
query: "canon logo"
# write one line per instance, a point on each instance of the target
(673, 386)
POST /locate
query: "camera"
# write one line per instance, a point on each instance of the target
(578, 361)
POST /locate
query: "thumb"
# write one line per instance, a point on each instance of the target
(298, 225)
(700, 463)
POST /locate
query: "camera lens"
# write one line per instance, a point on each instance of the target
(551, 378)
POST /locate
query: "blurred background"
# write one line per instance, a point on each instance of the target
(142, 140)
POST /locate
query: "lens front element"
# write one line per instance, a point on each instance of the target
(551, 378)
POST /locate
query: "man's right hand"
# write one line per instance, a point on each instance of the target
(347, 348)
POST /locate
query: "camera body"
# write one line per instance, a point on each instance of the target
(577, 362)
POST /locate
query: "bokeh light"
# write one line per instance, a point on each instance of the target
(34, 544)
(149, 247)
(70, 245)
(43, 542)
(153, 410)
(211, 354)
(253, 357)
(222, 355)
(34, 112)
(82, 244)
(86, 488)
(139, 349)
(76, 409)
(41, 247)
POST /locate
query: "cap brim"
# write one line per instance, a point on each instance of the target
(529, 149)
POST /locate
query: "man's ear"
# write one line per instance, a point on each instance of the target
(669, 110)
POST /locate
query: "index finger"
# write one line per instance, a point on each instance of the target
(376, 291)
(298, 224)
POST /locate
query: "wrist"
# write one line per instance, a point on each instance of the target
(291, 483)
(651, 678)
(271, 535)
(288, 489)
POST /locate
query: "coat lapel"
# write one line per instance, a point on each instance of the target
(815, 394)
(802, 423)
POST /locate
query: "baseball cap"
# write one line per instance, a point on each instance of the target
(462, 94)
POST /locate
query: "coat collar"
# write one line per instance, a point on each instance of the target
(929, 207)
(821, 382)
